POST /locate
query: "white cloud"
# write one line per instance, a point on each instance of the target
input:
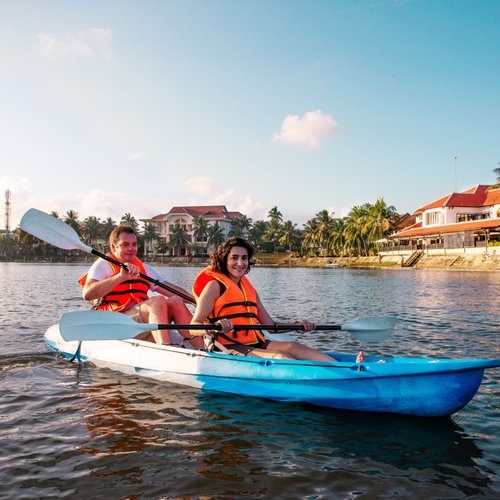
(204, 189)
(93, 42)
(306, 131)
(96, 202)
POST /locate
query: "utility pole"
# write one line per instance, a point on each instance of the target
(7, 212)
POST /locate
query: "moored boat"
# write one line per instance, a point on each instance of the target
(414, 386)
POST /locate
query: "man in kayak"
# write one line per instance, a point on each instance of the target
(110, 287)
(225, 296)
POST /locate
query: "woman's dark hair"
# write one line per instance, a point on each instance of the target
(218, 258)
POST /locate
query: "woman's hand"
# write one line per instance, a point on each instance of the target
(226, 325)
(307, 326)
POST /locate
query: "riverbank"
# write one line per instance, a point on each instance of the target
(461, 262)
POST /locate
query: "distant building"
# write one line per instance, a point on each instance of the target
(185, 216)
(457, 222)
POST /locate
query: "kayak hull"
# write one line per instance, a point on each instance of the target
(412, 386)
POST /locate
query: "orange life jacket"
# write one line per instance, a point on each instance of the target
(236, 303)
(125, 294)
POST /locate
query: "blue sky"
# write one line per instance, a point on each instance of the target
(136, 106)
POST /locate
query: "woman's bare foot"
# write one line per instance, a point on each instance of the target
(360, 358)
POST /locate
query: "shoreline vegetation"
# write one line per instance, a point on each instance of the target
(463, 262)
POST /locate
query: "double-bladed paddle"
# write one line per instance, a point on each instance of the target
(104, 325)
(54, 231)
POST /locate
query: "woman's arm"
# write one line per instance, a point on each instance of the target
(205, 306)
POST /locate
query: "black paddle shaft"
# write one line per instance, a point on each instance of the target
(184, 296)
(270, 328)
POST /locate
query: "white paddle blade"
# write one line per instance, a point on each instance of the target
(54, 231)
(100, 325)
(371, 329)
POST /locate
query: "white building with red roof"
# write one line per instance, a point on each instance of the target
(458, 222)
(185, 216)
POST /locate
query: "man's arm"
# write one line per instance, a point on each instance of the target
(95, 289)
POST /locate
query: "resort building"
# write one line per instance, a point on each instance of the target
(466, 222)
(182, 219)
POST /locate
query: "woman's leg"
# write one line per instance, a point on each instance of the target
(295, 350)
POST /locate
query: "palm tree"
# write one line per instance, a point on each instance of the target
(129, 220)
(310, 242)
(497, 173)
(290, 235)
(215, 235)
(336, 244)
(150, 236)
(256, 234)
(178, 238)
(275, 215)
(72, 220)
(380, 220)
(355, 230)
(107, 226)
(324, 228)
(200, 228)
(55, 214)
(240, 226)
(91, 229)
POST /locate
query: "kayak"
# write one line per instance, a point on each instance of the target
(428, 387)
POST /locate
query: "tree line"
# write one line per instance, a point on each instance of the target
(322, 235)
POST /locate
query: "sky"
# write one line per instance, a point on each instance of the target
(117, 106)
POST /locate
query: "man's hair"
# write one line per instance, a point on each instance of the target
(115, 234)
(218, 258)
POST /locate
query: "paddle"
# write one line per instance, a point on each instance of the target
(103, 325)
(54, 231)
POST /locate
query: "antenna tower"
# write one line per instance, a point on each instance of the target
(7, 212)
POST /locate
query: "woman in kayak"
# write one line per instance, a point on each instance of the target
(224, 295)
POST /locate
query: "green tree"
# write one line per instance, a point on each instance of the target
(355, 231)
(91, 229)
(72, 220)
(496, 171)
(178, 239)
(324, 227)
(256, 234)
(311, 241)
(290, 236)
(200, 229)
(130, 220)
(150, 237)
(107, 226)
(336, 244)
(380, 220)
(240, 226)
(215, 235)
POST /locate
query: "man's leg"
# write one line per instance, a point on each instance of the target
(180, 314)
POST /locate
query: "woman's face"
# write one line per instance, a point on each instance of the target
(237, 263)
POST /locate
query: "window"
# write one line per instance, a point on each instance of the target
(432, 218)
(468, 217)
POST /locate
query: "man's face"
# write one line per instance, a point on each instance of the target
(125, 249)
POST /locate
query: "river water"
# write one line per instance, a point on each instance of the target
(70, 430)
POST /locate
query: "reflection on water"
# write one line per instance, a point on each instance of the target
(188, 439)
(77, 430)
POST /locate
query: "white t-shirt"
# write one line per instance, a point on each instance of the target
(101, 270)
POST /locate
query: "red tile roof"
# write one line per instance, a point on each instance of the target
(215, 211)
(476, 196)
(475, 225)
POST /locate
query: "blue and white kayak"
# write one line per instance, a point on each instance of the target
(414, 386)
